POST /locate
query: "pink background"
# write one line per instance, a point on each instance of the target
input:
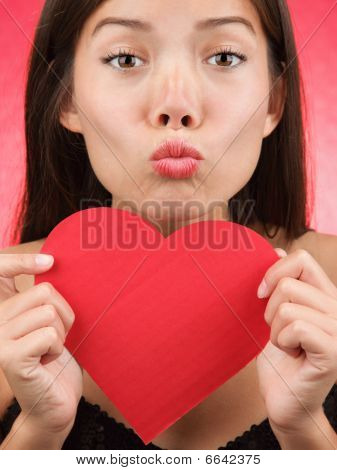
(315, 33)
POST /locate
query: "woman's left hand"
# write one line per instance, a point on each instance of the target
(298, 366)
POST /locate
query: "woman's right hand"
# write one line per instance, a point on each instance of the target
(45, 379)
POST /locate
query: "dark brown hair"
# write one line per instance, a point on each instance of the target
(59, 176)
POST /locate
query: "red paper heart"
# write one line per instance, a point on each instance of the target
(160, 322)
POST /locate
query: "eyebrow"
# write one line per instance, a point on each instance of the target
(145, 26)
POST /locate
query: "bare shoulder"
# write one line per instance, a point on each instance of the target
(323, 247)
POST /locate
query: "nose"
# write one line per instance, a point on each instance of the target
(176, 105)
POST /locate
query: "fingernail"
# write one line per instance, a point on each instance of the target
(43, 260)
(262, 290)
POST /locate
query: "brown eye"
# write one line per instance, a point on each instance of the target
(223, 59)
(122, 61)
(127, 60)
(226, 59)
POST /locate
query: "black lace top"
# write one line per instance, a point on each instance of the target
(95, 429)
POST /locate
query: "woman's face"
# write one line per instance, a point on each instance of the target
(172, 82)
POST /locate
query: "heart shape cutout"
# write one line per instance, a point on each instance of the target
(160, 322)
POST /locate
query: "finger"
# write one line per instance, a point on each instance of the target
(310, 338)
(299, 265)
(67, 359)
(299, 292)
(7, 288)
(30, 320)
(24, 263)
(43, 293)
(287, 313)
(46, 340)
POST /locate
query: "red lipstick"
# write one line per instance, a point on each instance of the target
(176, 159)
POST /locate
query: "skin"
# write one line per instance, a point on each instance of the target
(175, 75)
(298, 366)
(232, 127)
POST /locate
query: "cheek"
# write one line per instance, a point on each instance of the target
(109, 126)
(107, 95)
(239, 117)
(238, 101)
(102, 110)
(106, 119)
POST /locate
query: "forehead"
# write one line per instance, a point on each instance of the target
(164, 17)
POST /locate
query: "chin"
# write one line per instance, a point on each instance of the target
(163, 211)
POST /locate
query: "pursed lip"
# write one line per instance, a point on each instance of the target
(176, 148)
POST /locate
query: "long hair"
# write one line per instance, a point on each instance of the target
(59, 177)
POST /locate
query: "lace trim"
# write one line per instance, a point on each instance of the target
(14, 409)
(132, 432)
(93, 429)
